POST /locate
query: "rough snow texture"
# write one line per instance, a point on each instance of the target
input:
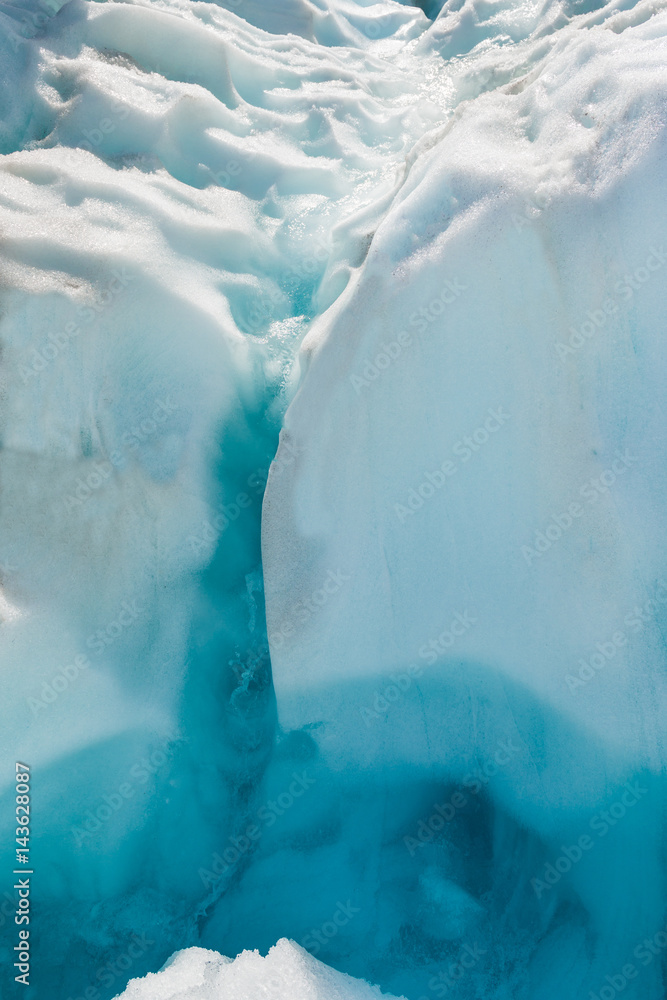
(534, 202)
(287, 972)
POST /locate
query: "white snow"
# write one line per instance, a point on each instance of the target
(440, 248)
(286, 972)
(531, 232)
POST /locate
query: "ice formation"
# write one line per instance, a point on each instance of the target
(287, 972)
(420, 251)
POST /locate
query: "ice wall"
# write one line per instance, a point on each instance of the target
(469, 547)
(181, 193)
(464, 218)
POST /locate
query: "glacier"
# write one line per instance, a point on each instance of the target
(333, 584)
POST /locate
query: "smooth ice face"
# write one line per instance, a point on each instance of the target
(468, 549)
(287, 972)
(182, 193)
(463, 567)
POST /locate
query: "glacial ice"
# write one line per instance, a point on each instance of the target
(421, 254)
(478, 432)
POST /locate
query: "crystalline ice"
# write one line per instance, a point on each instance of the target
(404, 710)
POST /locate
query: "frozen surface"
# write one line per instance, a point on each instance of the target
(287, 972)
(481, 442)
(429, 246)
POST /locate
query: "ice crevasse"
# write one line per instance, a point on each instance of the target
(416, 726)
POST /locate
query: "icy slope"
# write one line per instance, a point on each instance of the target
(181, 192)
(286, 972)
(481, 441)
(467, 216)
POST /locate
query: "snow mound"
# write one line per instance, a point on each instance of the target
(287, 972)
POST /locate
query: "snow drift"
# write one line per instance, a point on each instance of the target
(287, 970)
